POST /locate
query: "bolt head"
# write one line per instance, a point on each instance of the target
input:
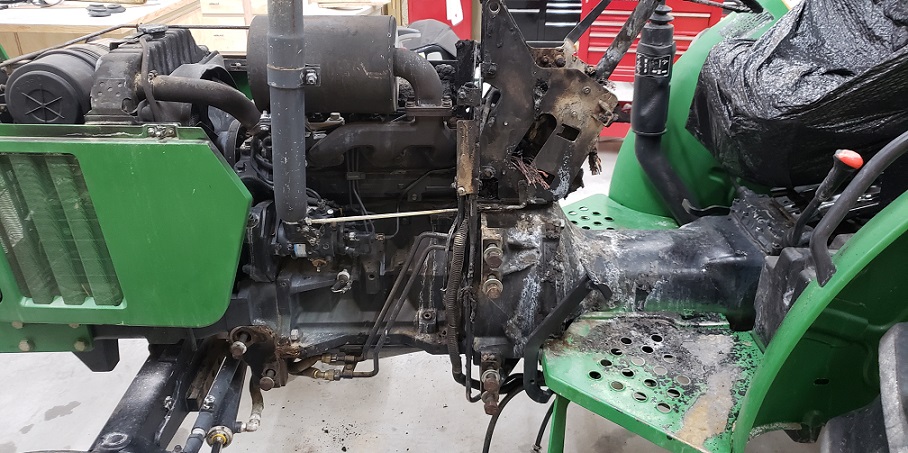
(492, 288)
(80, 345)
(26, 345)
(237, 349)
(18, 324)
(266, 383)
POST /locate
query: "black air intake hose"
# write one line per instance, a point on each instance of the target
(215, 94)
(649, 113)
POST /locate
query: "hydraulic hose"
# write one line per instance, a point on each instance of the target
(421, 74)
(215, 94)
(452, 309)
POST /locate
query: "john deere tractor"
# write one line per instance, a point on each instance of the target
(333, 197)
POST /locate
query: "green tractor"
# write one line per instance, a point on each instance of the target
(331, 198)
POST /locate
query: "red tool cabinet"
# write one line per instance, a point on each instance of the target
(690, 19)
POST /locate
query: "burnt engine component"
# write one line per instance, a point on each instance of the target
(56, 87)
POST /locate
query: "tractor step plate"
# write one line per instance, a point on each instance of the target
(676, 382)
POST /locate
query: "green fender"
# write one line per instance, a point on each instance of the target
(822, 362)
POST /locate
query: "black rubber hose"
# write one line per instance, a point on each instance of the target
(650, 111)
(421, 74)
(545, 422)
(215, 94)
(819, 241)
(452, 310)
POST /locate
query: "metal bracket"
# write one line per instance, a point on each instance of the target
(532, 377)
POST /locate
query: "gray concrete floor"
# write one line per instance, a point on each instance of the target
(51, 401)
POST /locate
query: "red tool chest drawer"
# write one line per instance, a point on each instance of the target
(690, 19)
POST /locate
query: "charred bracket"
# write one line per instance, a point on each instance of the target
(532, 377)
(467, 171)
(541, 121)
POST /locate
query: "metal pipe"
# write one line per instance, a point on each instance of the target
(819, 241)
(258, 406)
(224, 97)
(417, 244)
(421, 74)
(574, 35)
(625, 38)
(390, 215)
(288, 108)
(649, 114)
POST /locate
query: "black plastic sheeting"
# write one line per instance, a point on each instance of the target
(830, 74)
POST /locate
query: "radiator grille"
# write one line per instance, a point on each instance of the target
(50, 233)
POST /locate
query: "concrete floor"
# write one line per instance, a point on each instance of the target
(52, 401)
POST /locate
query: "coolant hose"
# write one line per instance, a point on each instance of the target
(452, 309)
(215, 94)
(421, 74)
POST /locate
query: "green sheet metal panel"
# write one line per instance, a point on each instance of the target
(599, 212)
(130, 227)
(677, 383)
(823, 359)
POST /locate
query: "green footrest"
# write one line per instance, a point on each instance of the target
(678, 383)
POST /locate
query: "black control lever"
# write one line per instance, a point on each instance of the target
(845, 162)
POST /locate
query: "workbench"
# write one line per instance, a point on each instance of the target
(26, 28)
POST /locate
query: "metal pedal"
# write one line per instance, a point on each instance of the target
(676, 382)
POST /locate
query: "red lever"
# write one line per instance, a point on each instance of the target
(850, 158)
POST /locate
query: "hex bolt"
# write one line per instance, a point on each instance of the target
(80, 345)
(311, 78)
(26, 345)
(294, 335)
(18, 324)
(461, 191)
(492, 287)
(493, 256)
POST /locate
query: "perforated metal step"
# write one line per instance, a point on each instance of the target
(677, 382)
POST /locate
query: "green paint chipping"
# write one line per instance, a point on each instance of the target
(599, 212)
(678, 383)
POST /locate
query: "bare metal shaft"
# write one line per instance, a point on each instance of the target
(390, 215)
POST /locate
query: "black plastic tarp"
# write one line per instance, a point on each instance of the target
(830, 74)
